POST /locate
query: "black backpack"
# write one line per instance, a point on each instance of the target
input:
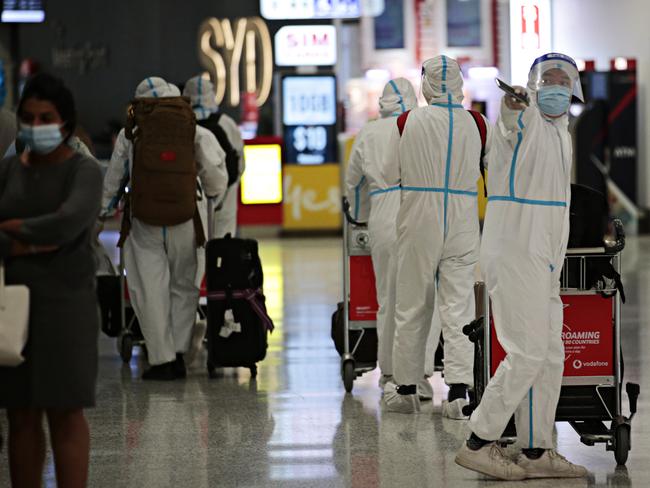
(232, 157)
(589, 215)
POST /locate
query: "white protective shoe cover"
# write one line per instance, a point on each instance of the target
(425, 390)
(384, 379)
(551, 465)
(400, 403)
(196, 344)
(454, 410)
(490, 460)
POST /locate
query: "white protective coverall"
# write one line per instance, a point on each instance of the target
(437, 225)
(161, 262)
(525, 236)
(201, 93)
(372, 186)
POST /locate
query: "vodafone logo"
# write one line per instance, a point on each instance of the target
(577, 364)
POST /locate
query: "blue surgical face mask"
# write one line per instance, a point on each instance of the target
(42, 139)
(554, 99)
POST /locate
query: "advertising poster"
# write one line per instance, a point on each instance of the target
(312, 197)
(309, 119)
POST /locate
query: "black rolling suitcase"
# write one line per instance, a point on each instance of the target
(108, 291)
(364, 343)
(238, 322)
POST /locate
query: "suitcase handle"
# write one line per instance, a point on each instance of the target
(212, 209)
(348, 216)
(619, 244)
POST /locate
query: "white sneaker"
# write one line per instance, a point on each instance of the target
(400, 403)
(454, 410)
(384, 379)
(490, 460)
(196, 343)
(425, 390)
(551, 464)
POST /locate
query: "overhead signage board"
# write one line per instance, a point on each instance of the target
(309, 118)
(320, 9)
(305, 45)
(22, 11)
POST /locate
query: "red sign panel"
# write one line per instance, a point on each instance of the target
(363, 293)
(588, 335)
(250, 111)
(530, 27)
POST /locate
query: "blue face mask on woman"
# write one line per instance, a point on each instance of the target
(554, 99)
(42, 139)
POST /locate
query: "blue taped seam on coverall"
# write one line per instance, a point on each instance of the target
(401, 99)
(384, 190)
(357, 196)
(153, 89)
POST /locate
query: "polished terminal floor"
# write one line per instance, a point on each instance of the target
(295, 427)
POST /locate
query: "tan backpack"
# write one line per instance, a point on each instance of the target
(163, 180)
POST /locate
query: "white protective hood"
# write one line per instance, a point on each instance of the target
(201, 94)
(441, 78)
(397, 98)
(155, 87)
(554, 61)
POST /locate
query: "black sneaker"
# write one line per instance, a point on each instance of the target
(160, 372)
(179, 366)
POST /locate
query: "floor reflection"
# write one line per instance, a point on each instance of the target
(295, 427)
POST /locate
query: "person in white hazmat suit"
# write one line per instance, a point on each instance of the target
(525, 237)
(201, 93)
(372, 184)
(437, 236)
(161, 262)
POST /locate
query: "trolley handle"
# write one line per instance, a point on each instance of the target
(348, 216)
(619, 244)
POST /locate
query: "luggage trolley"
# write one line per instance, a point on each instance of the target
(591, 395)
(359, 299)
(131, 335)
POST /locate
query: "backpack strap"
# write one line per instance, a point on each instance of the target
(482, 130)
(401, 122)
(232, 156)
(219, 132)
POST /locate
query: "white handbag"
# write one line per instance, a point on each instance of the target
(14, 321)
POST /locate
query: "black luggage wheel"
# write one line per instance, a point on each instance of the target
(348, 373)
(212, 371)
(621, 442)
(125, 347)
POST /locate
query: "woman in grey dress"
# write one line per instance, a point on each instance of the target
(49, 201)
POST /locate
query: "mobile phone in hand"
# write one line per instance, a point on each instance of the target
(510, 91)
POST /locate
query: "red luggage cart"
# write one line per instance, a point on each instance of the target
(359, 300)
(591, 394)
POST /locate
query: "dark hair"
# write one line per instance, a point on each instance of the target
(49, 88)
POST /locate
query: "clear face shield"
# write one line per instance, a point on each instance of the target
(555, 79)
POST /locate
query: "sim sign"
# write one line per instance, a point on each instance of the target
(309, 118)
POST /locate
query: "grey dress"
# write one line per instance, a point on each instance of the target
(59, 204)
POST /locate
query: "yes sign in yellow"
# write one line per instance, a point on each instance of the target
(312, 197)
